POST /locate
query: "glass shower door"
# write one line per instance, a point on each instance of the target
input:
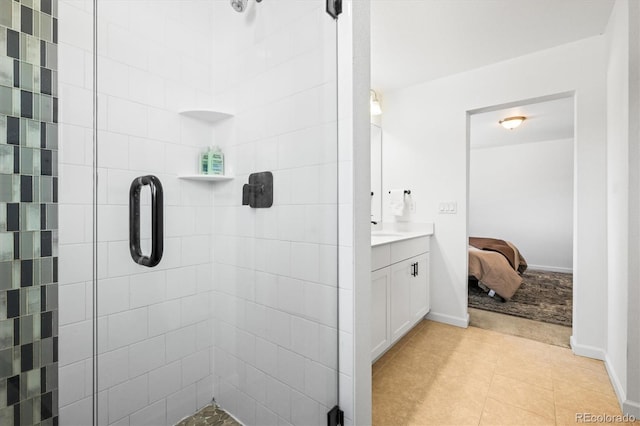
(216, 286)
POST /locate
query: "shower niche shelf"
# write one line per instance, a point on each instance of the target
(206, 114)
(206, 178)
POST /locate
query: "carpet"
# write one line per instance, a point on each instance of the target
(543, 296)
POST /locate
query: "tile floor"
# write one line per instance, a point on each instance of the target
(444, 375)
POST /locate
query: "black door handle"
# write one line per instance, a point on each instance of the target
(157, 203)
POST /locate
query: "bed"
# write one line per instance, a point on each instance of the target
(497, 265)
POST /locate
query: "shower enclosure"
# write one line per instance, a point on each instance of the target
(173, 291)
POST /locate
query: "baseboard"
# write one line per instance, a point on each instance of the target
(586, 351)
(615, 381)
(550, 268)
(631, 408)
(448, 319)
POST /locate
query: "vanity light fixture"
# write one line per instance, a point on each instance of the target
(512, 122)
(374, 103)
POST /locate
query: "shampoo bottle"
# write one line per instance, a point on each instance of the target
(216, 161)
(205, 162)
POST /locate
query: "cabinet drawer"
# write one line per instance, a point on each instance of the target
(380, 256)
(402, 250)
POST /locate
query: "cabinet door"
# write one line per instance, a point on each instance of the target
(400, 298)
(420, 287)
(380, 281)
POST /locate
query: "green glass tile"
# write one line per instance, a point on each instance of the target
(36, 331)
(46, 108)
(37, 410)
(3, 397)
(6, 159)
(36, 107)
(9, 188)
(5, 13)
(46, 190)
(33, 300)
(46, 271)
(36, 264)
(5, 275)
(36, 24)
(52, 297)
(28, 3)
(3, 305)
(33, 50)
(46, 350)
(46, 27)
(6, 246)
(26, 161)
(3, 128)
(54, 83)
(54, 163)
(3, 224)
(16, 102)
(52, 136)
(16, 360)
(36, 79)
(6, 415)
(6, 100)
(32, 217)
(6, 363)
(15, 20)
(6, 71)
(36, 354)
(36, 164)
(3, 40)
(52, 376)
(6, 334)
(26, 328)
(52, 56)
(54, 242)
(52, 216)
(33, 383)
(16, 274)
(36, 183)
(26, 245)
(26, 410)
(26, 76)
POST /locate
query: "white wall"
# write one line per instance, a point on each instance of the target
(523, 193)
(426, 151)
(622, 203)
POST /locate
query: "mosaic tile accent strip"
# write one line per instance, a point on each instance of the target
(211, 415)
(28, 212)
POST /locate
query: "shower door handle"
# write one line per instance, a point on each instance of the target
(157, 236)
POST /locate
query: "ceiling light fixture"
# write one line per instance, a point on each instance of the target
(512, 122)
(374, 103)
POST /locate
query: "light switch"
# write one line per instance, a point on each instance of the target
(448, 207)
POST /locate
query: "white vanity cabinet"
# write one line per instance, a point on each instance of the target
(399, 290)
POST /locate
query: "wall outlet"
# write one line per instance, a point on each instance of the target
(448, 207)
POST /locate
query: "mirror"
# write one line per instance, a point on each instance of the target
(376, 173)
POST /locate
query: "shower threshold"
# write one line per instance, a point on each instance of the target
(211, 415)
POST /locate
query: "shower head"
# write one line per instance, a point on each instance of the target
(239, 5)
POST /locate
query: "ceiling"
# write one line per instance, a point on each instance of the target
(413, 41)
(546, 121)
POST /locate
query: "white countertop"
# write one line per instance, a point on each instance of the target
(391, 236)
